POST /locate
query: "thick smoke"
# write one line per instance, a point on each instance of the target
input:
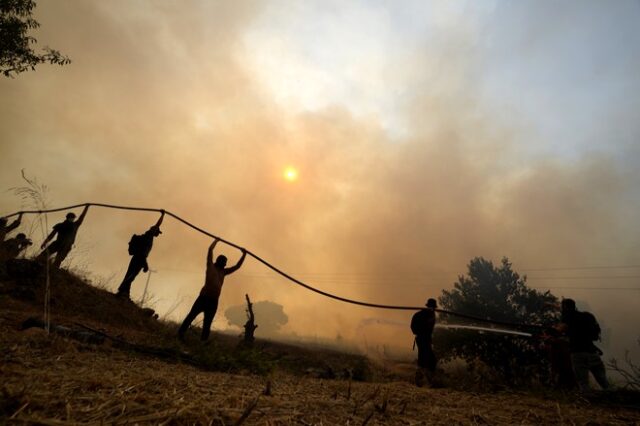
(158, 109)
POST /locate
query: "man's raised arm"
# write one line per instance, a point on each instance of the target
(238, 265)
(82, 215)
(14, 225)
(161, 218)
(210, 252)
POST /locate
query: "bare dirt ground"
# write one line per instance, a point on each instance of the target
(51, 379)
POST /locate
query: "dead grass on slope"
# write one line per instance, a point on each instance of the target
(49, 380)
(75, 303)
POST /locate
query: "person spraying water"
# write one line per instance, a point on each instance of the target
(422, 324)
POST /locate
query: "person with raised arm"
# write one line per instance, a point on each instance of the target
(139, 249)
(66, 232)
(5, 229)
(207, 301)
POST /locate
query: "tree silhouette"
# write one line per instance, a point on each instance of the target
(269, 316)
(498, 293)
(16, 53)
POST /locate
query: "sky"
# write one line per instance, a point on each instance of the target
(423, 134)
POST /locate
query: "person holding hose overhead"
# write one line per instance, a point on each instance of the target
(207, 301)
(139, 249)
(66, 232)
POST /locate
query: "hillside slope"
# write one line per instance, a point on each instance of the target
(80, 309)
(62, 378)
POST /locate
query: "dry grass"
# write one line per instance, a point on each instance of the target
(47, 379)
(53, 380)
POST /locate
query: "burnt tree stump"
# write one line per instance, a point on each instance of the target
(250, 326)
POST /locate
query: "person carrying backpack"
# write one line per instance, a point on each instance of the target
(422, 324)
(583, 329)
(139, 249)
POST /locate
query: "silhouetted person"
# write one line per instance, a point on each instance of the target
(139, 249)
(11, 248)
(5, 229)
(66, 232)
(556, 344)
(207, 301)
(422, 324)
(583, 329)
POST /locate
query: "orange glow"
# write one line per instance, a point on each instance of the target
(290, 174)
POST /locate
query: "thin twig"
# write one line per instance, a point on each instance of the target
(247, 411)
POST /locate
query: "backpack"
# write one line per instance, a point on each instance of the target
(136, 244)
(590, 326)
(418, 323)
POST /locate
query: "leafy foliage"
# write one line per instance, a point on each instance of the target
(16, 53)
(497, 293)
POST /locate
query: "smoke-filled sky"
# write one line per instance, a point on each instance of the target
(423, 134)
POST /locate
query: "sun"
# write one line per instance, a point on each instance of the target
(290, 174)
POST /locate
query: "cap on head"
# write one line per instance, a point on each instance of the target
(71, 215)
(155, 230)
(21, 236)
(431, 303)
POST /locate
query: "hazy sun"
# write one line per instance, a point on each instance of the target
(290, 174)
